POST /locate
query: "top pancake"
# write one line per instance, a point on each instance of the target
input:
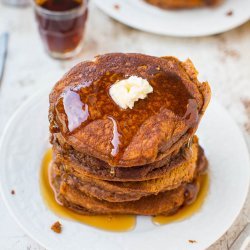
(83, 113)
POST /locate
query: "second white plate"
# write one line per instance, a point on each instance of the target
(182, 23)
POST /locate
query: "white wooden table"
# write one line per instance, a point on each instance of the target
(223, 60)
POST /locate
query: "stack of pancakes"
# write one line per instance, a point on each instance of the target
(180, 4)
(144, 160)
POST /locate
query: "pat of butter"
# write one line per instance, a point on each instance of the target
(126, 92)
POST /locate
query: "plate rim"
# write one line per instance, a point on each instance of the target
(2, 138)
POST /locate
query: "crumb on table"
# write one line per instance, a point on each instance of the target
(192, 241)
(246, 103)
(117, 6)
(229, 13)
(57, 227)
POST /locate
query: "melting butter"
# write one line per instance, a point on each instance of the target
(128, 91)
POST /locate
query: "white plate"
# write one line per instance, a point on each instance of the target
(182, 23)
(26, 139)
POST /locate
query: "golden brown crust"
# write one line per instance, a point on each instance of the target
(117, 191)
(164, 202)
(92, 167)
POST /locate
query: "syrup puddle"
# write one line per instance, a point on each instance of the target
(189, 210)
(116, 223)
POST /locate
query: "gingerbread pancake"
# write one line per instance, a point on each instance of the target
(84, 117)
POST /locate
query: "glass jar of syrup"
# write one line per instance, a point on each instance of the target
(61, 26)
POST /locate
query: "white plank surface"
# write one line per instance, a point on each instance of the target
(223, 60)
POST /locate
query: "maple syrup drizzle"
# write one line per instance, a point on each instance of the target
(77, 112)
(91, 102)
(117, 223)
(115, 141)
(188, 210)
